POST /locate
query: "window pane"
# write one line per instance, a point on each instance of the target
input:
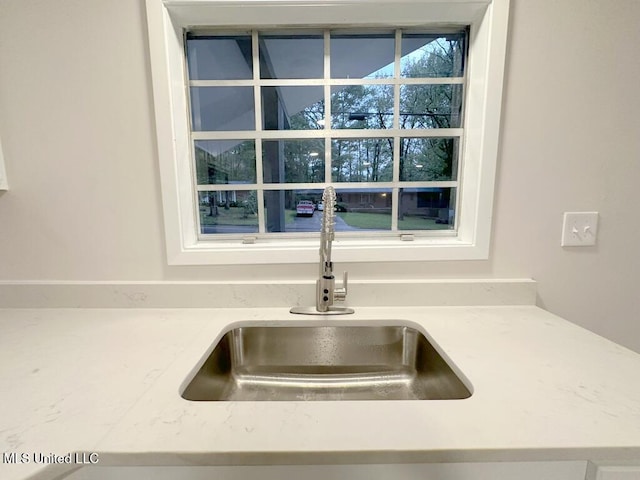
(428, 159)
(363, 209)
(362, 160)
(293, 210)
(291, 56)
(219, 57)
(233, 211)
(222, 108)
(429, 55)
(291, 91)
(299, 161)
(225, 161)
(426, 208)
(362, 56)
(292, 108)
(430, 106)
(362, 106)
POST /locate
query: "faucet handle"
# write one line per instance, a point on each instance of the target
(341, 293)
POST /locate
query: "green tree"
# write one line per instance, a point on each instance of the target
(236, 163)
(431, 106)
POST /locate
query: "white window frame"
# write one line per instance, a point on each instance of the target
(488, 22)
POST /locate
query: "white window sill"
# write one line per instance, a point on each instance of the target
(306, 251)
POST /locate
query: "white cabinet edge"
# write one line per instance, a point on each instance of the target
(4, 184)
(459, 471)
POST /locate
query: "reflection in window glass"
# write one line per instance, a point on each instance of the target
(293, 161)
(426, 208)
(292, 108)
(219, 57)
(233, 211)
(293, 210)
(291, 56)
(430, 106)
(428, 159)
(362, 106)
(429, 55)
(225, 161)
(362, 56)
(363, 209)
(362, 160)
(222, 108)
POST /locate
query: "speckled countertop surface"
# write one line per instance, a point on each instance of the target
(107, 381)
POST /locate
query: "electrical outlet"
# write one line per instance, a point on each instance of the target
(579, 229)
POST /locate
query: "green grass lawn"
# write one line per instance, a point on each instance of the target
(371, 221)
(237, 216)
(289, 216)
(382, 221)
(230, 216)
(364, 220)
(419, 223)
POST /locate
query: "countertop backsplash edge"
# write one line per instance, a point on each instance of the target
(237, 294)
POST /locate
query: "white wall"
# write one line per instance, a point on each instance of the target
(84, 204)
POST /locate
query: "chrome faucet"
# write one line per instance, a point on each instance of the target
(326, 291)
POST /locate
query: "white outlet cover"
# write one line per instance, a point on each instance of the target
(579, 229)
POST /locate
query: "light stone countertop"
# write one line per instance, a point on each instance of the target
(107, 381)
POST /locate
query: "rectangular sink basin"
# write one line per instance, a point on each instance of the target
(379, 362)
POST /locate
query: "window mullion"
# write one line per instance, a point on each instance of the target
(396, 80)
(322, 81)
(396, 126)
(255, 53)
(327, 107)
(327, 132)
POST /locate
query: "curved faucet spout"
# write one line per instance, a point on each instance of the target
(326, 291)
(327, 231)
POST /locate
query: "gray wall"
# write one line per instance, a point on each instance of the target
(76, 122)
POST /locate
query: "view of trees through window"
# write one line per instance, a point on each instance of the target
(376, 114)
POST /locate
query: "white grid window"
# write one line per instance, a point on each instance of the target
(296, 107)
(276, 116)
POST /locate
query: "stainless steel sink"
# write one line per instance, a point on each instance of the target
(390, 362)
